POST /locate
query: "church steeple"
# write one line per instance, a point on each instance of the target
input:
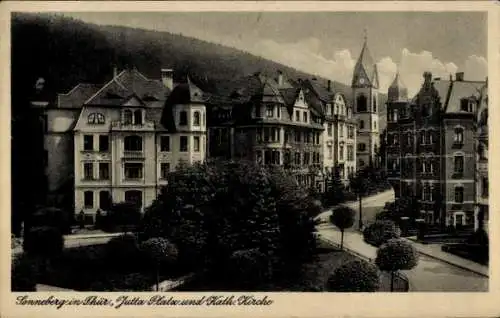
(365, 72)
(397, 91)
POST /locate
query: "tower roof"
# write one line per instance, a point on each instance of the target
(365, 67)
(397, 90)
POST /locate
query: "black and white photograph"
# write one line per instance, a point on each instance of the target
(257, 151)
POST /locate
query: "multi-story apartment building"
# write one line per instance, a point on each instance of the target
(431, 152)
(301, 126)
(365, 96)
(119, 140)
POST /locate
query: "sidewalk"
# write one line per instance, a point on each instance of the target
(434, 251)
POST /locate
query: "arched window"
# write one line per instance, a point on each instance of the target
(361, 124)
(361, 102)
(138, 117)
(133, 143)
(183, 118)
(196, 118)
(374, 104)
(96, 118)
(134, 196)
(127, 117)
(104, 200)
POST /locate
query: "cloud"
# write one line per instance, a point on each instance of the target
(476, 68)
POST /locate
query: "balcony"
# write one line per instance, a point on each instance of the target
(133, 155)
(120, 126)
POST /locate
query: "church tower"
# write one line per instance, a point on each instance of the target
(365, 97)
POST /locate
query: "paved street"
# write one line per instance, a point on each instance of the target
(429, 275)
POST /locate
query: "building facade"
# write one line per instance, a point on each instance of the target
(118, 141)
(431, 152)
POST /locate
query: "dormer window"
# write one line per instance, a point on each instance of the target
(127, 117)
(270, 111)
(464, 104)
(138, 117)
(96, 119)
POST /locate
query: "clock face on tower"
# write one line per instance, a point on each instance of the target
(361, 81)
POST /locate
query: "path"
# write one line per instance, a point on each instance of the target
(429, 275)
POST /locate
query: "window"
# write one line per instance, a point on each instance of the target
(426, 110)
(361, 147)
(183, 118)
(164, 170)
(127, 117)
(297, 115)
(350, 132)
(196, 146)
(96, 119)
(196, 118)
(103, 170)
(138, 117)
(361, 162)
(395, 115)
(330, 152)
(341, 130)
(422, 137)
(464, 104)
(458, 138)
(361, 103)
(103, 143)
(88, 171)
(134, 196)
(204, 120)
(165, 143)
(269, 111)
(350, 153)
(459, 164)
(133, 143)
(485, 185)
(429, 140)
(133, 170)
(104, 200)
(88, 142)
(184, 143)
(361, 124)
(374, 104)
(341, 152)
(305, 117)
(278, 111)
(409, 139)
(307, 158)
(297, 158)
(330, 127)
(459, 194)
(88, 199)
(374, 124)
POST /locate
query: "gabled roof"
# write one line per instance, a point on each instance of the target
(77, 96)
(127, 83)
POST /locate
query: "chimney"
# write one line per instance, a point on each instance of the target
(329, 86)
(459, 77)
(167, 77)
(280, 78)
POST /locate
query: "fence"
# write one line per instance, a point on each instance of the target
(401, 282)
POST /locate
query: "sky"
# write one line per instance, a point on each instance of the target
(327, 44)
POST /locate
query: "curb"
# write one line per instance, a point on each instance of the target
(454, 264)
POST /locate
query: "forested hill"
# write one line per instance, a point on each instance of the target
(66, 51)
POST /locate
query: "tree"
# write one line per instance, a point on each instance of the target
(359, 184)
(355, 276)
(395, 255)
(380, 232)
(43, 241)
(335, 192)
(249, 268)
(343, 218)
(124, 214)
(159, 250)
(51, 217)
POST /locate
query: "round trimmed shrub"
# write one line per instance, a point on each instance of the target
(43, 241)
(396, 254)
(159, 250)
(380, 232)
(355, 276)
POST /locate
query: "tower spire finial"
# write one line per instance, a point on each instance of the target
(365, 34)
